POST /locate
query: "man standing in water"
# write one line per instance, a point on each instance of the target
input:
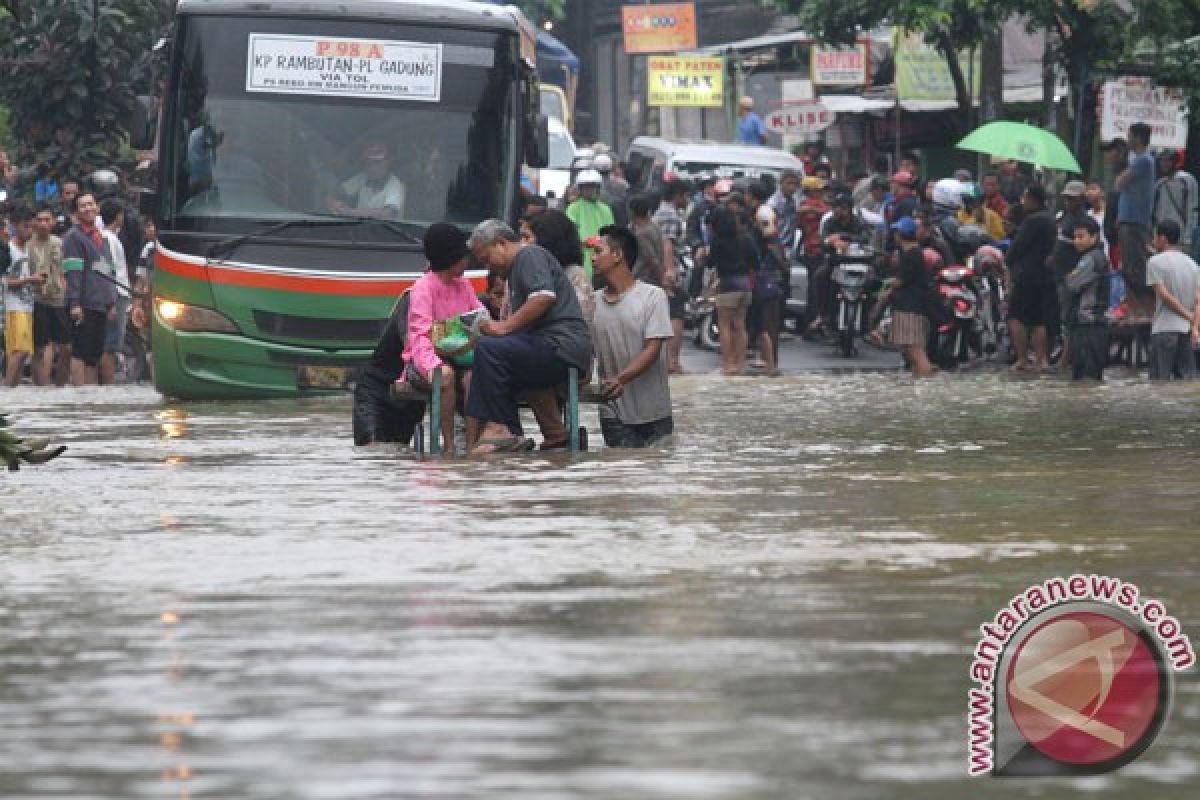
(92, 300)
(1176, 327)
(630, 326)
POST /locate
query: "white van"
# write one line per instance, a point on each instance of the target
(652, 160)
(558, 173)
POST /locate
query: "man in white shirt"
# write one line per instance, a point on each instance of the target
(374, 192)
(629, 329)
(112, 211)
(1175, 280)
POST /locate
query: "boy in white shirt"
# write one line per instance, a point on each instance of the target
(18, 296)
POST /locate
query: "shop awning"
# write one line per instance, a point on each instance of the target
(884, 101)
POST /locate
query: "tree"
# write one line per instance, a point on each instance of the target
(540, 11)
(949, 25)
(1088, 37)
(68, 72)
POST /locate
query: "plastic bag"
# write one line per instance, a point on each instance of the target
(452, 336)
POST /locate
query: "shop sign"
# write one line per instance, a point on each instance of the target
(1131, 99)
(695, 81)
(659, 28)
(839, 66)
(800, 119)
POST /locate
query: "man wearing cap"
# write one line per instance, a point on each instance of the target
(589, 213)
(1175, 197)
(909, 295)
(373, 192)
(614, 189)
(1066, 258)
(750, 126)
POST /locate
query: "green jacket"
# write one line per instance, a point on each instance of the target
(589, 217)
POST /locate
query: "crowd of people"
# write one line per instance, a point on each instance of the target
(596, 285)
(74, 257)
(1131, 248)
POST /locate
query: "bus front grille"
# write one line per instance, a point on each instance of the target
(316, 328)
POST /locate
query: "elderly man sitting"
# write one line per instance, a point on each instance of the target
(533, 349)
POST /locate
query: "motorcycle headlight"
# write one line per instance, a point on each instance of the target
(194, 319)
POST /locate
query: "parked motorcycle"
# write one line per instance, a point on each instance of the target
(700, 309)
(957, 335)
(988, 264)
(852, 269)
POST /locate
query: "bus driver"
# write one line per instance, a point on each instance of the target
(373, 192)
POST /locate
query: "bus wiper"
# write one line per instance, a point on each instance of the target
(410, 231)
(225, 247)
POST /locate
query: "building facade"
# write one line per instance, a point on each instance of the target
(611, 105)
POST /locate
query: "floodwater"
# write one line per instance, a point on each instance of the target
(227, 600)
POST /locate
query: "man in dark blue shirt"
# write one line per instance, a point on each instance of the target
(1135, 208)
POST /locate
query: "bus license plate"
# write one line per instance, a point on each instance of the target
(324, 377)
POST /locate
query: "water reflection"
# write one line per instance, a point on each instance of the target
(172, 421)
(783, 605)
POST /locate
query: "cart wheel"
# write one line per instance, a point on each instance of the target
(419, 439)
(583, 439)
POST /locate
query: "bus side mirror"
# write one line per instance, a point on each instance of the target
(141, 123)
(537, 142)
(148, 204)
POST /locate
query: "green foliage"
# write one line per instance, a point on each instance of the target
(1094, 36)
(539, 11)
(69, 72)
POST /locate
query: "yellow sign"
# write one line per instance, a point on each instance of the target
(659, 28)
(922, 73)
(695, 81)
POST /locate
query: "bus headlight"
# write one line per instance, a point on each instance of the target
(195, 319)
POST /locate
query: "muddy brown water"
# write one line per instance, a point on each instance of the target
(227, 600)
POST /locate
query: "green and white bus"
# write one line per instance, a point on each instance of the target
(304, 146)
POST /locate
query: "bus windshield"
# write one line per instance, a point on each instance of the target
(253, 135)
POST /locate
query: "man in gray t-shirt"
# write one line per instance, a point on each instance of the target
(532, 349)
(629, 329)
(1175, 280)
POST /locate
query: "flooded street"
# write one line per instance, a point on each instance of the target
(227, 600)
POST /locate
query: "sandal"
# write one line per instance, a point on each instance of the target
(508, 444)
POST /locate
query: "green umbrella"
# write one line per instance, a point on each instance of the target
(1021, 142)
